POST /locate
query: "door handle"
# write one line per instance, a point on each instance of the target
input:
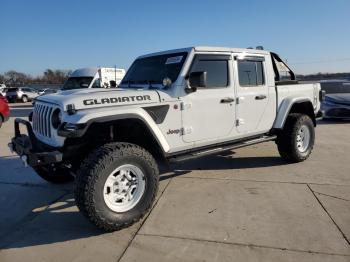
(227, 100)
(260, 97)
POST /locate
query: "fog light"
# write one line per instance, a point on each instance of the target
(71, 127)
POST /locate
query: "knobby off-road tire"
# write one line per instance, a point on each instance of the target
(296, 141)
(55, 175)
(110, 164)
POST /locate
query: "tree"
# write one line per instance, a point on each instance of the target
(14, 78)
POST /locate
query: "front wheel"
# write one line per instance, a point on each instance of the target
(297, 138)
(116, 185)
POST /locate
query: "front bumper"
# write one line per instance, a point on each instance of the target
(30, 149)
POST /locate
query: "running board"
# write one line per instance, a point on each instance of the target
(219, 149)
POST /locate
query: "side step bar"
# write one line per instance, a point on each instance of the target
(219, 149)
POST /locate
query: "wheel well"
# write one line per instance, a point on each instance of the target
(305, 108)
(132, 130)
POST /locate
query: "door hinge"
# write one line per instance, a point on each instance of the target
(184, 106)
(239, 121)
(239, 100)
(187, 130)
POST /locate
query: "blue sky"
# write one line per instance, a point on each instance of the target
(35, 35)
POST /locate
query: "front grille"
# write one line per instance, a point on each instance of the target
(42, 119)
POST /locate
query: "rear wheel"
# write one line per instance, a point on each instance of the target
(55, 175)
(116, 185)
(24, 99)
(296, 141)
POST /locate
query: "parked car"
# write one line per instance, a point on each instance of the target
(23, 94)
(4, 110)
(337, 101)
(50, 91)
(3, 89)
(41, 91)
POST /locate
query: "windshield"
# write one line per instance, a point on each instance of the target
(152, 70)
(77, 82)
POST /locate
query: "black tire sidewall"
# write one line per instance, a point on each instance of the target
(145, 201)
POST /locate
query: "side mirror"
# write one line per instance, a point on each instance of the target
(198, 79)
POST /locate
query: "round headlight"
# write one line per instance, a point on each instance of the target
(56, 118)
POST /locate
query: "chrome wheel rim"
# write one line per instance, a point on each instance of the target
(303, 138)
(124, 188)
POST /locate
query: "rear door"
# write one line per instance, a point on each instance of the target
(252, 92)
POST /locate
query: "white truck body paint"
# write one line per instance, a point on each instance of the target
(194, 119)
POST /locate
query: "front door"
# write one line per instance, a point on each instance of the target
(209, 112)
(252, 93)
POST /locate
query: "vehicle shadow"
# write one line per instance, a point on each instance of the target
(221, 162)
(59, 222)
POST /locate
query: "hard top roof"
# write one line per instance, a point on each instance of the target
(208, 49)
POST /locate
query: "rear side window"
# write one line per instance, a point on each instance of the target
(251, 73)
(216, 68)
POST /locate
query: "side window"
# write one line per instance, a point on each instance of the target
(216, 68)
(251, 73)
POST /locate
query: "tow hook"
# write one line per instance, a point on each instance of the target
(10, 146)
(24, 159)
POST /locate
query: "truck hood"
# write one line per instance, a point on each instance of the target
(96, 98)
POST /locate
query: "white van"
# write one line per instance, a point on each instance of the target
(93, 77)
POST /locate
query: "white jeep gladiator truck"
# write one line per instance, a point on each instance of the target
(171, 106)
